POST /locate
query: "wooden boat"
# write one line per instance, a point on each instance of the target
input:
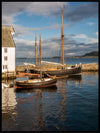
(72, 70)
(65, 70)
(36, 83)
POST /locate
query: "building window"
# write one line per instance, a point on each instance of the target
(5, 50)
(4, 66)
(5, 58)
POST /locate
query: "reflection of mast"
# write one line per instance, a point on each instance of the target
(35, 49)
(62, 116)
(41, 120)
(62, 38)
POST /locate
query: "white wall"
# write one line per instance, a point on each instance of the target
(11, 59)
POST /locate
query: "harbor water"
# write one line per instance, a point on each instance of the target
(71, 106)
(21, 61)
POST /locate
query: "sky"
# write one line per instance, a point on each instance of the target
(44, 18)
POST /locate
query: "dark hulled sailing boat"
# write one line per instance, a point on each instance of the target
(63, 70)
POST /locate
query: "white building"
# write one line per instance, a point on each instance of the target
(8, 49)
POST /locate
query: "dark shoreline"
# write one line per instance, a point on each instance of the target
(60, 57)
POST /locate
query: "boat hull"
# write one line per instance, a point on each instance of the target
(62, 72)
(43, 84)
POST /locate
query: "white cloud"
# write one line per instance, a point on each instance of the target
(96, 33)
(83, 36)
(70, 54)
(86, 39)
(90, 23)
(7, 20)
(21, 31)
(23, 42)
(92, 40)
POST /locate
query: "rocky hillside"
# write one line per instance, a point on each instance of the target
(93, 53)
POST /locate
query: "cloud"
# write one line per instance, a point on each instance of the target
(7, 20)
(80, 36)
(13, 9)
(10, 10)
(90, 23)
(44, 8)
(23, 42)
(24, 48)
(52, 47)
(22, 31)
(96, 33)
(83, 11)
(86, 39)
(92, 40)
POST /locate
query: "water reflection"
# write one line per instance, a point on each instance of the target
(35, 99)
(49, 109)
(90, 82)
(62, 86)
(76, 78)
(8, 97)
(8, 106)
(41, 119)
(63, 102)
(53, 89)
(42, 105)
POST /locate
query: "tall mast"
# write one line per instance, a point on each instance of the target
(35, 49)
(40, 59)
(62, 38)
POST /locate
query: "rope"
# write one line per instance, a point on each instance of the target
(55, 76)
(50, 75)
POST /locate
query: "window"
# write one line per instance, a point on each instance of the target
(4, 66)
(5, 58)
(5, 50)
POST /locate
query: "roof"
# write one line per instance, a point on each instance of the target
(7, 39)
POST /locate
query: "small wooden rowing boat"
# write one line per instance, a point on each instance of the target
(36, 83)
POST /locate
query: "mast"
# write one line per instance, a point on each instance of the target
(35, 49)
(40, 59)
(62, 38)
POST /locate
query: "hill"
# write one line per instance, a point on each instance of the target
(93, 53)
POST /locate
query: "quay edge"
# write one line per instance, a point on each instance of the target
(85, 67)
(91, 67)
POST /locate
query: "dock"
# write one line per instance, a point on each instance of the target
(85, 67)
(9, 75)
(91, 67)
